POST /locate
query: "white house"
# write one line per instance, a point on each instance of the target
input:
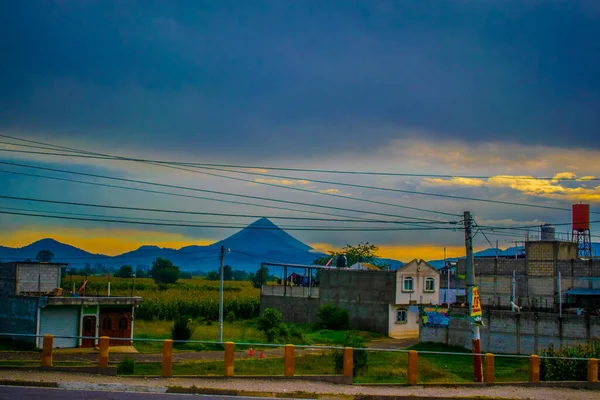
(417, 284)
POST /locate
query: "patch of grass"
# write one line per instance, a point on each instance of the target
(313, 364)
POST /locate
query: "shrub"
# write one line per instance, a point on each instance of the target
(230, 317)
(333, 318)
(360, 357)
(296, 332)
(269, 322)
(126, 367)
(567, 370)
(181, 329)
(284, 331)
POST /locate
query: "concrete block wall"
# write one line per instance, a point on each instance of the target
(19, 315)
(7, 279)
(519, 333)
(37, 277)
(296, 309)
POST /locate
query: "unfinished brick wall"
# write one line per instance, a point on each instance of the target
(37, 277)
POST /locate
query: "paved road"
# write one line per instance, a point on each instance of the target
(18, 393)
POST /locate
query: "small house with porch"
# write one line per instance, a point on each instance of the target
(33, 304)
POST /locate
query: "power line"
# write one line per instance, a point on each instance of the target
(208, 191)
(292, 169)
(223, 226)
(169, 165)
(205, 213)
(414, 192)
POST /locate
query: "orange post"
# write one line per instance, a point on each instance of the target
(593, 370)
(289, 360)
(534, 369)
(47, 350)
(413, 358)
(348, 361)
(103, 352)
(229, 346)
(489, 375)
(167, 361)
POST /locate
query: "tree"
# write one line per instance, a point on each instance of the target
(261, 276)
(227, 273)
(163, 271)
(269, 322)
(362, 252)
(44, 256)
(239, 275)
(185, 275)
(126, 271)
(140, 273)
(212, 276)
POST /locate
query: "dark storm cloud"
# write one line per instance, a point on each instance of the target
(253, 78)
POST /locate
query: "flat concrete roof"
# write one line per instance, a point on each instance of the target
(91, 301)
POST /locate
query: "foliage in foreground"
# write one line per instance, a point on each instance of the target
(333, 317)
(181, 329)
(269, 323)
(360, 357)
(126, 367)
(567, 370)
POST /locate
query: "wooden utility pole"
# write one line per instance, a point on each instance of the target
(221, 256)
(470, 271)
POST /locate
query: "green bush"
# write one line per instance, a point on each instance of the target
(567, 370)
(333, 318)
(181, 329)
(269, 322)
(126, 367)
(360, 357)
(284, 331)
(230, 317)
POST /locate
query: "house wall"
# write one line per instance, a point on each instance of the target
(37, 277)
(518, 333)
(419, 272)
(402, 330)
(19, 315)
(7, 279)
(296, 309)
(365, 294)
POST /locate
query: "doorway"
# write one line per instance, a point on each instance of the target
(89, 329)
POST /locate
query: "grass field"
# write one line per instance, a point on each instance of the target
(241, 331)
(383, 367)
(196, 298)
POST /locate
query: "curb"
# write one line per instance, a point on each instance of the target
(230, 392)
(8, 382)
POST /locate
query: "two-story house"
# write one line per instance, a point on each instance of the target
(417, 284)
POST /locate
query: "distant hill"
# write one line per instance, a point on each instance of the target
(261, 241)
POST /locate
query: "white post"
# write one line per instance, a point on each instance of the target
(109, 286)
(512, 292)
(559, 295)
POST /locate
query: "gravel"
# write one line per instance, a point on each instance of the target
(95, 382)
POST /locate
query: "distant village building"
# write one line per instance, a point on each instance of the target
(33, 303)
(386, 302)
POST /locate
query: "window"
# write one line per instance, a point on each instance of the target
(401, 315)
(123, 323)
(408, 285)
(430, 285)
(107, 324)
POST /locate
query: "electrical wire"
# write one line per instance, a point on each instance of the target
(203, 191)
(204, 213)
(354, 229)
(309, 170)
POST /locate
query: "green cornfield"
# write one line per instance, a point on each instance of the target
(195, 298)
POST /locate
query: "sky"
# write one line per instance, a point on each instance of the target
(502, 89)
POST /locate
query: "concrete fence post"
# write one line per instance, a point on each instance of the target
(489, 375)
(103, 352)
(289, 360)
(348, 361)
(593, 370)
(47, 350)
(534, 369)
(413, 358)
(167, 361)
(229, 346)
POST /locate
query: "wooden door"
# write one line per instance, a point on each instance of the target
(89, 329)
(116, 324)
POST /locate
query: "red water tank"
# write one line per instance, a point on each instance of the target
(581, 217)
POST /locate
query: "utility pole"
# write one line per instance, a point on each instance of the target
(470, 270)
(221, 256)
